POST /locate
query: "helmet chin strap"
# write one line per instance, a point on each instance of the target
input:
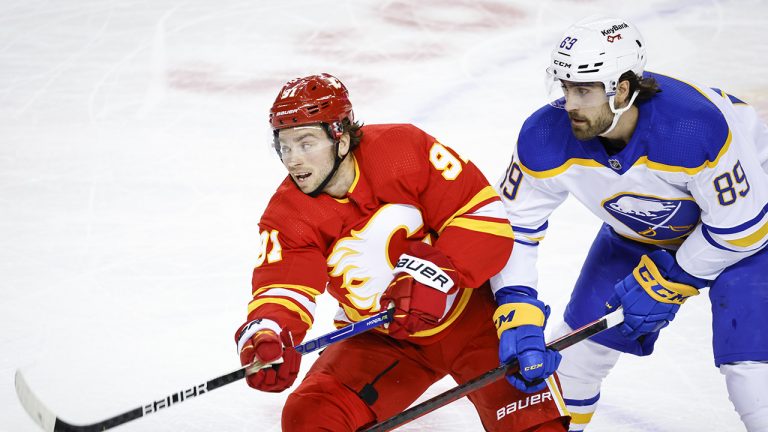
(336, 163)
(617, 112)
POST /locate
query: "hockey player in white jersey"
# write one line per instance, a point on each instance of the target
(677, 172)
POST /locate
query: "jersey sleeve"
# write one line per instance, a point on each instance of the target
(528, 201)
(465, 211)
(732, 192)
(290, 272)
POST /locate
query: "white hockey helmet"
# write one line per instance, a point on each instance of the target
(596, 49)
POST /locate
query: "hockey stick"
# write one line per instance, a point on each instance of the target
(50, 422)
(612, 319)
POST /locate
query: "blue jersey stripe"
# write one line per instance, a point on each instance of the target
(732, 98)
(518, 229)
(582, 402)
(739, 228)
(712, 241)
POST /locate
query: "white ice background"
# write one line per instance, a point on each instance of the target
(134, 166)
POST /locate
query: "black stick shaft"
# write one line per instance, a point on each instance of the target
(492, 375)
(44, 417)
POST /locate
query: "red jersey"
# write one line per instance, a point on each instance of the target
(408, 187)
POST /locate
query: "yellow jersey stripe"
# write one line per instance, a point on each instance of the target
(486, 193)
(581, 419)
(352, 313)
(561, 169)
(282, 302)
(357, 176)
(303, 288)
(462, 304)
(643, 160)
(345, 200)
(501, 229)
(752, 238)
(690, 171)
(687, 83)
(555, 390)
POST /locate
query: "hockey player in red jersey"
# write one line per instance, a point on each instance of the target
(378, 215)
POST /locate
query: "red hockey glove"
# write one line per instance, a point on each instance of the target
(423, 281)
(258, 341)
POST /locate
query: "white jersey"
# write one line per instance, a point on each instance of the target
(692, 178)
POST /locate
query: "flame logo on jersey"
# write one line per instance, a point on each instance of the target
(652, 217)
(362, 259)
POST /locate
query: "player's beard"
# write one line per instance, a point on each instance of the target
(318, 175)
(592, 127)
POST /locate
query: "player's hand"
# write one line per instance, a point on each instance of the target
(520, 320)
(652, 294)
(258, 341)
(419, 291)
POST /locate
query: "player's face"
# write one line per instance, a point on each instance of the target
(587, 107)
(307, 153)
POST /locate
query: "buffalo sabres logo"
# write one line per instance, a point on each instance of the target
(654, 218)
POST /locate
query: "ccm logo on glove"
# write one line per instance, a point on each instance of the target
(658, 287)
(536, 366)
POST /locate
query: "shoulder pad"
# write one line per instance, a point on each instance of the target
(687, 130)
(546, 142)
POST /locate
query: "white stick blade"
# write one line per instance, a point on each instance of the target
(614, 318)
(39, 413)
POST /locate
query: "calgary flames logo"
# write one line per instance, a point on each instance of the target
(363, 259)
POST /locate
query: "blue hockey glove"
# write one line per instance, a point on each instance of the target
(520, 320)
(652, 294)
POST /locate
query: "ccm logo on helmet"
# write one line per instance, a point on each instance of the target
(614, 29)
(562, 64)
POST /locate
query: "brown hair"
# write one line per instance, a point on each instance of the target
(646, 86)
(355, 132)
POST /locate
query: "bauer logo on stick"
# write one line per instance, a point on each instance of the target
(176, 398)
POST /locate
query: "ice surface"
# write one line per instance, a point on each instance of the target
(134, 166)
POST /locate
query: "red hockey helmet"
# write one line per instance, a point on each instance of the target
(312, 99)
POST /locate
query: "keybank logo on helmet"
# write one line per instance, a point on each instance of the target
(614, 29)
